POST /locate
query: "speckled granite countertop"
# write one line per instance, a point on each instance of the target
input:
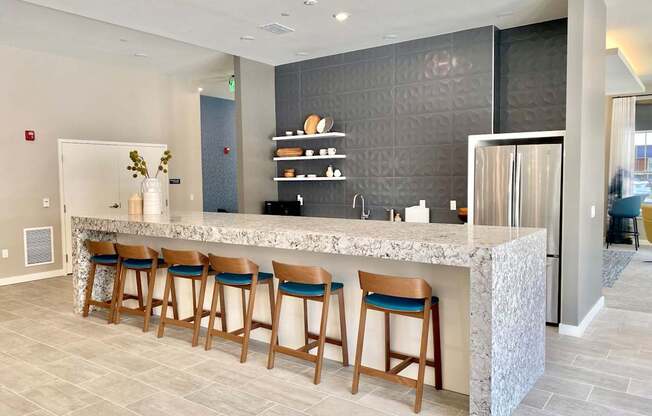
(448, 244)
(507, 273)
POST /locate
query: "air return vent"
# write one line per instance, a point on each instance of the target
(276, 28)
(39, 248)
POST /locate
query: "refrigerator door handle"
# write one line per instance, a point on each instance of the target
(510, 208)
(517, 191)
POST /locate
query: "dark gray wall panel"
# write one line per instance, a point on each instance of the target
(218, 170)
(407, 110)
(532, 86)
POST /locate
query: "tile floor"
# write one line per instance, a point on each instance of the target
(55, 363)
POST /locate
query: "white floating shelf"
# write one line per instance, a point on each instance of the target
(318, 178)
(309, 136)
(311, 157)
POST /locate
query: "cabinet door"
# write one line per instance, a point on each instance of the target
(90, 184)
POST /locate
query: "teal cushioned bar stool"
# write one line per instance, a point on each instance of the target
(625, 209)
(242, 274)
(402, 296)
(308, 283)
(103, 254)
(193, 266)
(139, 259)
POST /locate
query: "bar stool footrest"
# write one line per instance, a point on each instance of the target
(414, 359)
(329, 340)
(405, 381)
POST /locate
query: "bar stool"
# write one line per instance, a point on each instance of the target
(102, 254)
(191, 265)
(139, 259)
(407, 297)
(308, 283)
(242, 274)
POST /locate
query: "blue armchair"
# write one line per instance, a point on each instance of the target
(622, 210)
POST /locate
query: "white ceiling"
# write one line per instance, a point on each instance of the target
(629, 28)
(219, 24)
(27, 26)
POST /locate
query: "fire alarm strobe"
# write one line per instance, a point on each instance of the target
(30, 135)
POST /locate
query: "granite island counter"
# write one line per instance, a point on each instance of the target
(490, 281)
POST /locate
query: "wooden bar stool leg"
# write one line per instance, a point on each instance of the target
(222, 307)
(359, 345)
(211, 319)
(244, 305)
(151, 279)
(89, 288)
(305, 322)
(247, 323)
(175, 305)
(343, 337)
(121, 292)
(164, 306)
(139, 288)
(194, 296)
(200, 309)
(388, 358)
(270, 289)
(274, 340)
(322, 335)
(422, 359)
(436, 336)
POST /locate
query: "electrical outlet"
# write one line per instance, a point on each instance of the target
(46, 202)
(300, 199)
(453, 205)
(5, 253)
(592, 211)
(192, 197)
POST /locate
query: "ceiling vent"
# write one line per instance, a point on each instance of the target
(276, 28)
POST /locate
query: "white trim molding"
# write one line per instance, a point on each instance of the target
(12, 280)
(578, 331)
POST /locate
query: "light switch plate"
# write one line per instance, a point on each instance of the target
(5, 253)
(46, 202)
(453, 205)
(592, 211)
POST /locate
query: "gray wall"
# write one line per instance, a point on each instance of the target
(532, 87)
(584, 160)
(407, 109)
(644, 116)
(220, 191)
(255, 124)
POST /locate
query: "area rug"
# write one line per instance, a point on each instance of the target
(613, 264)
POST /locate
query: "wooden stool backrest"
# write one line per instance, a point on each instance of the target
(184, 257)
(232, 265)
(404, 287)
(126, 251)
(100, 248)
(301, 274)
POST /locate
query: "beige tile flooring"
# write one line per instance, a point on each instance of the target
(55, 363)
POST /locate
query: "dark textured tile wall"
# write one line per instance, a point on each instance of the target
(407, 110)
(532, 85)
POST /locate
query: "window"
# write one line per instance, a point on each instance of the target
(642, 180)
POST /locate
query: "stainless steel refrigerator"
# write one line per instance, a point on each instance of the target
(520, 185)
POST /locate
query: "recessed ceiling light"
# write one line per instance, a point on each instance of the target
(341, 16)
(124, 40)
(285, 14)
(310, 2)
(200, 89)
(302, 54)
(141, 55)
(504, 14)
(247, 37)
(390, 36)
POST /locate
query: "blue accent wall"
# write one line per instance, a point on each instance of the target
(219, 171)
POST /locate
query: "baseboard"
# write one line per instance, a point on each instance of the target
(578, 331)
(12, 280)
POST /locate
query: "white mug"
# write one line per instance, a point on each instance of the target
(323, 152)
(310, 152)
(332, 151)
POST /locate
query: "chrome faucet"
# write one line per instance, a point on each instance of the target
(363, 215)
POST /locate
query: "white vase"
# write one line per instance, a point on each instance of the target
(151, 189)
